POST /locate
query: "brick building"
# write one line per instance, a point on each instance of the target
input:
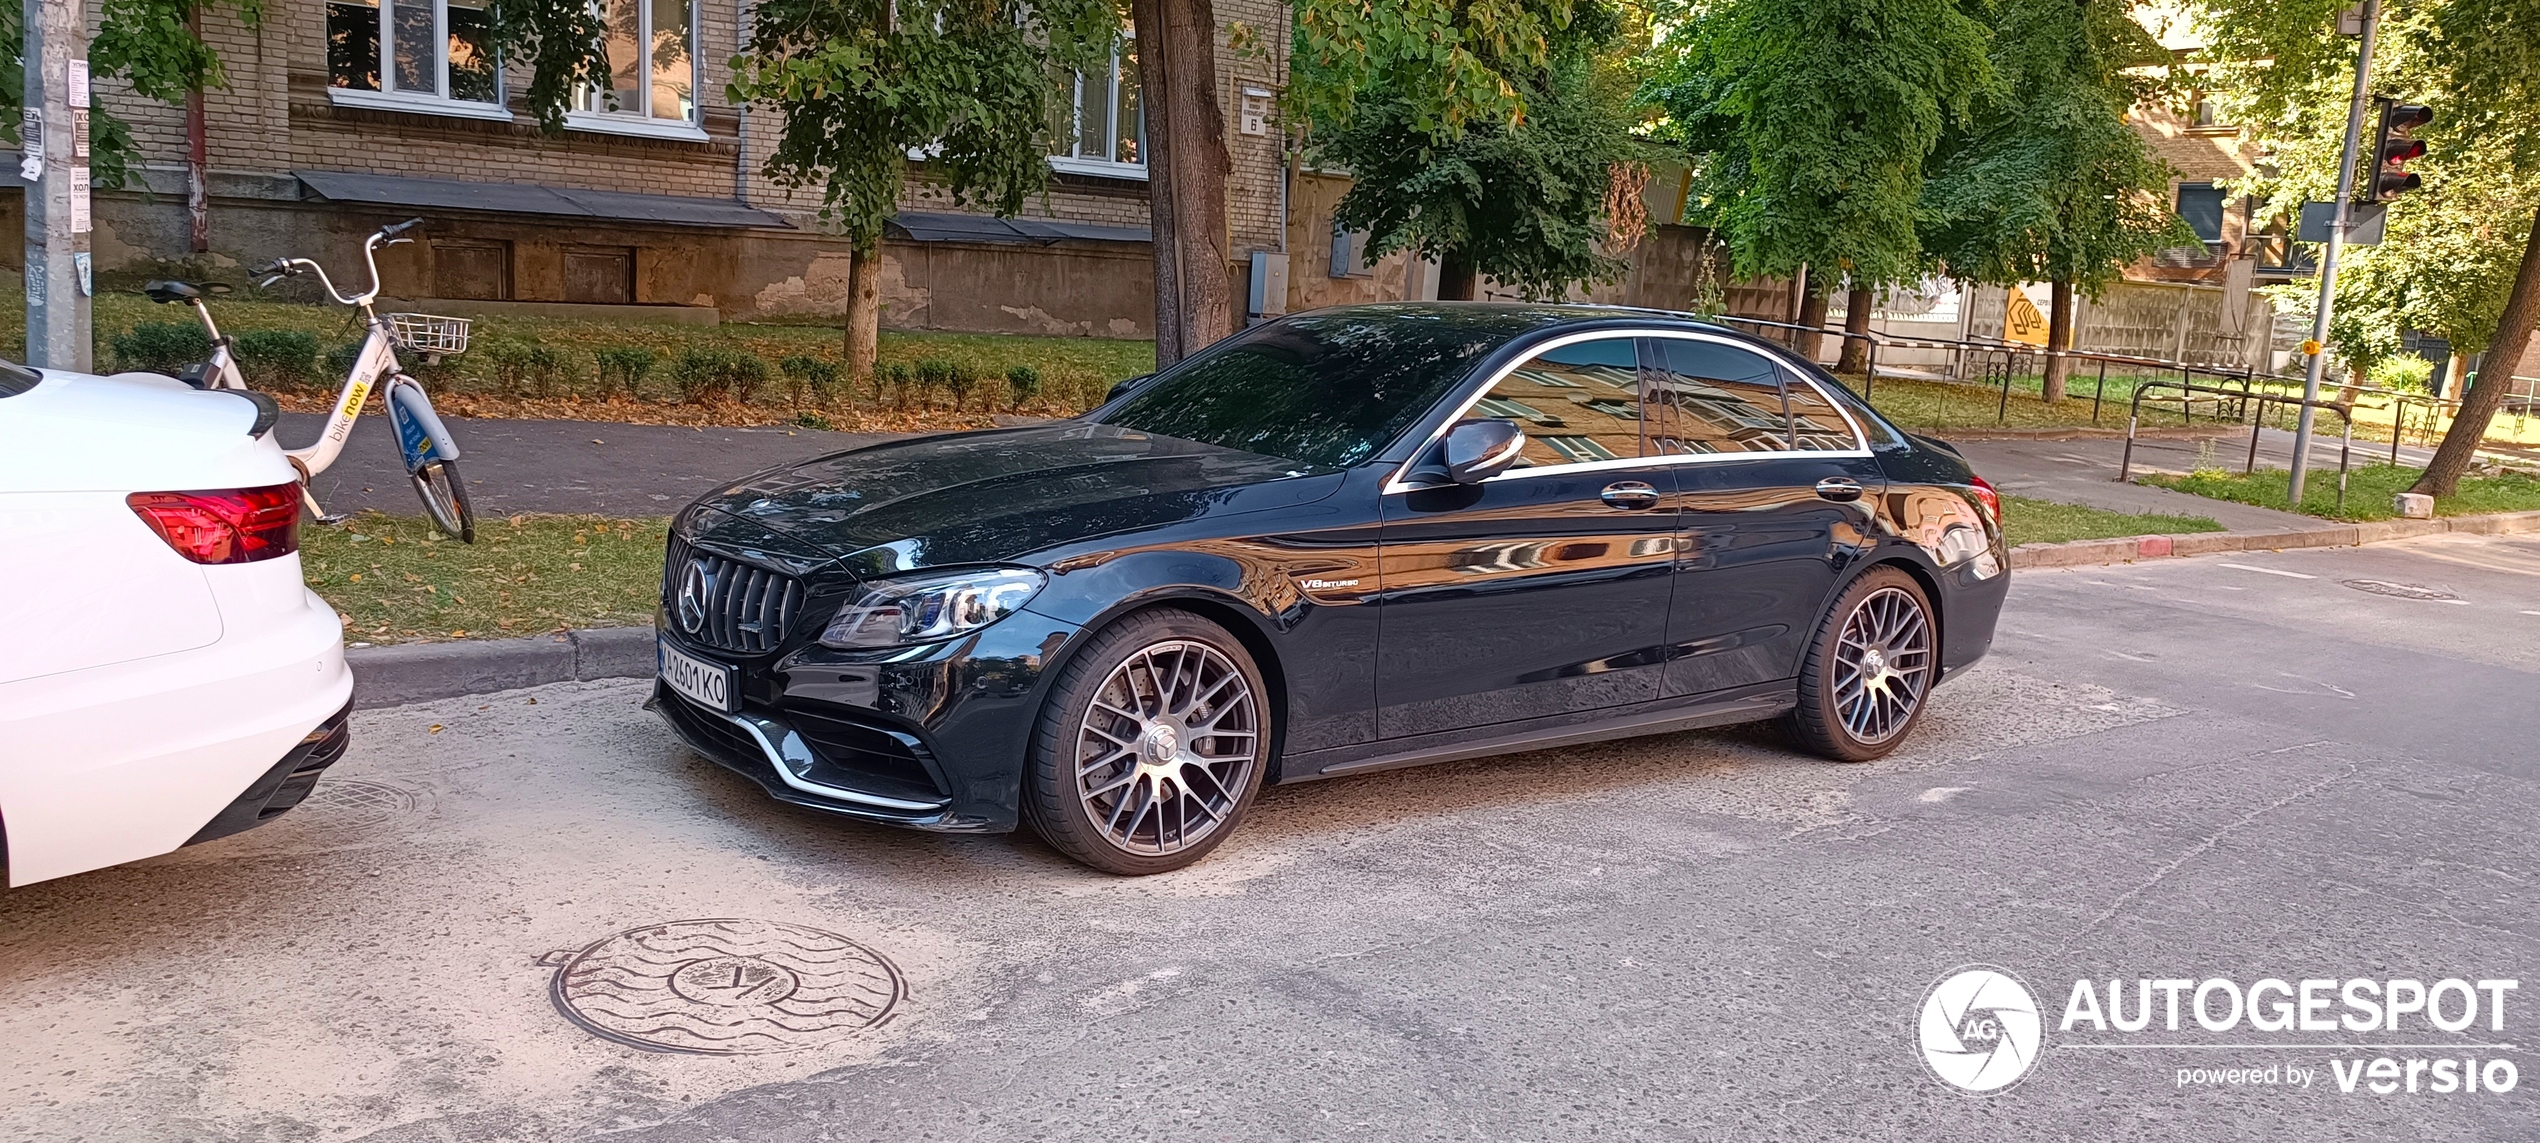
(341, 115)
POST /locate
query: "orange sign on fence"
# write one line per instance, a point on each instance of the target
(2020, 320)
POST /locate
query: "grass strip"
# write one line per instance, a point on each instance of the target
(393, 579)
(2027, 521)
(2369, 490)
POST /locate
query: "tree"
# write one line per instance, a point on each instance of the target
(1809, 123)
(860, 84)
(2046, 180)
(2443, 265)
(1186, 175)
(1522, 202)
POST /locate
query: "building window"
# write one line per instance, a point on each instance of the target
(2202, 114)
(1096, 124)
(2201, 204)
(652, 64)
(414, 50)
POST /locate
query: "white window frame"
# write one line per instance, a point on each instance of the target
(1107, 168)
(642, 122)
(434, 102)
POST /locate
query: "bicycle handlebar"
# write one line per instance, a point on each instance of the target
(400, 228)
(389, 235)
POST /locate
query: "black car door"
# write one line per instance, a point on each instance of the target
(1543, 590)
(1773, 497)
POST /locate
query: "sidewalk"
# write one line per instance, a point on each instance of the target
(563, 466)
(2083, 470)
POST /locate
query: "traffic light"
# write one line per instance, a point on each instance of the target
(2394, 144)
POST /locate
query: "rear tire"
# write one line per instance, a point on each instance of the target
(1869, 669)
(1151, 746)
(445, 499)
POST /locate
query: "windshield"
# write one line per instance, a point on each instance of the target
(1325, 390)
(16, 378)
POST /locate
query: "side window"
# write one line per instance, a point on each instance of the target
(1578, 403)
(1713, 397)
(1818, 425)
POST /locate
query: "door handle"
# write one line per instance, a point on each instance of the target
(1839, 488)
(1629, 495)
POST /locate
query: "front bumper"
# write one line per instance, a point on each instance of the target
(933, 738)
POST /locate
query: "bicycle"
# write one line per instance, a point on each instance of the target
(423, 442)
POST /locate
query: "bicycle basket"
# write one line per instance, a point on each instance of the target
(429, 334)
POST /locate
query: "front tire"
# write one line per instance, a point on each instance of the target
(1151, 746)
(1869, 670)
(445, 499)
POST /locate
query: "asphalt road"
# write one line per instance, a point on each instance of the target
(562, 466)
(2234, 767)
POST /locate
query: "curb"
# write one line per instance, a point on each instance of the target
(420, 672)
(2128, 549)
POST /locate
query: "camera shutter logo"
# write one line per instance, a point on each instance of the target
(694, 587)
(1980, 1031)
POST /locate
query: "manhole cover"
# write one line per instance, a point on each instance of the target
(725, 987)
(353, 802)
(2398, 590)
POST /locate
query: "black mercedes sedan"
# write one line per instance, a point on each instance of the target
(1343, 541)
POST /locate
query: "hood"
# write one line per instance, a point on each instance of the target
(991, 497)
(83, 432)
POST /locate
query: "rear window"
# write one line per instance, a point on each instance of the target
(1322, 390)
(16, 378)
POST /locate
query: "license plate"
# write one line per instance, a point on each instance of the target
(710, 685)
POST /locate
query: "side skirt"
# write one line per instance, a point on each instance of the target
(1663, 716)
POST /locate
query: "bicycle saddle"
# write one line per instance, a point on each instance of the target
(165, 293)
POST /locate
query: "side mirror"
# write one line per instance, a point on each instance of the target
(1475, 451)
(1124, 387)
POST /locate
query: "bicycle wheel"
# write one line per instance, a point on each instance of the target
(445, 499)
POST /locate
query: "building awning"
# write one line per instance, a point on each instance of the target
(527, 198)
(929, 226)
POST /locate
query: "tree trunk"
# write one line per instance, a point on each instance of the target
(864, 310)
(2059, 337)
(1812, 313)
(1186, 174)
(1856, 322)
(1459, 277)
(2487, 393)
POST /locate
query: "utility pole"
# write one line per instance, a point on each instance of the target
(2328, 259)
(55, 166)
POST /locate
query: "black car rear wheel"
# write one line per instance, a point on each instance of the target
(1150, 747)
(1868, 670)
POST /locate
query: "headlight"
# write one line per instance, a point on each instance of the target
(899, 613)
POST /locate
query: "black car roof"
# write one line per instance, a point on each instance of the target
(1511, 319)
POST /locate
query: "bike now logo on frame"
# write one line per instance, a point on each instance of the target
(1981, 1031)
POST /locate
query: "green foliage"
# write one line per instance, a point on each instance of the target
(278, 358)
(2405, 371)
(898, 374)
(2369, 489)
(1522, 202)
(2451, 251)
(624, 367)
(861, 83)
(933, 373)
(161, 347)
(2031, 521)
(714, 373)
(2045, 180)
(961, 382)
(1435, 66)
(527, 369)
(1024, 382)
(1809, 122)
(819, 374)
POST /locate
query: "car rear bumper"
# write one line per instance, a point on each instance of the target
(116, 763)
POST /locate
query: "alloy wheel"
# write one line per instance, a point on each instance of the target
(1167, 747)
(1882, 665)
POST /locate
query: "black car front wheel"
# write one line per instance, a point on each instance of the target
(1151, 746)
(1868, 670)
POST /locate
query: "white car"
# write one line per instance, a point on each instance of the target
(166, 676)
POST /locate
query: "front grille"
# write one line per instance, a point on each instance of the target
(726, 604)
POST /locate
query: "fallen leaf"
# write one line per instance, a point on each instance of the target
(435, 729)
